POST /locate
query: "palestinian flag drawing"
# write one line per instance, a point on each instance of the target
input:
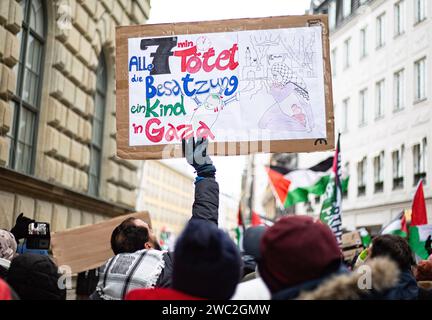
(398, 226)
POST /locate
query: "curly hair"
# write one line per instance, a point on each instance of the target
(394, 247)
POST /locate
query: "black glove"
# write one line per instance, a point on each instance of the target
(428, 245)
(196, 155)
(20, 230)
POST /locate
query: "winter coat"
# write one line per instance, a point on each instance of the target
(205, 207)
(254, 289)
(387, 282)
(425, 290)
(35, 277)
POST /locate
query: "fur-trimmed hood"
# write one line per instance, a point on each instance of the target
(384, 275)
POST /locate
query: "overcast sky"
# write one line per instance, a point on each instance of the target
(229, 169)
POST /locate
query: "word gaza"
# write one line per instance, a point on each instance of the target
(156, 133)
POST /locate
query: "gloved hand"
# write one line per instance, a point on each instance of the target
(196, 155)
(20, 230)
(428, 245)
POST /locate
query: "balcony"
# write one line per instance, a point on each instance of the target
(398, 183)
(361, 191)
(419, 176)
(379, 186)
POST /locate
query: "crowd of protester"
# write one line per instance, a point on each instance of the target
(296, 258)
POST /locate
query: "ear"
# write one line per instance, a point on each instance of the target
(148, 245)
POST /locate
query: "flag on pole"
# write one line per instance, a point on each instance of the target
(293, 186)
(256, 219)
(419, 229)
(398, 226)
(240, 229)
(365, 237)
(331, 210)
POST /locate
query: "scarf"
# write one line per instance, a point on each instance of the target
(127, 271)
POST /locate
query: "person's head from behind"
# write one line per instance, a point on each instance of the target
(132, 235)
(297, 249)
(207, 263)
(8, 245)
(35, 277)
(395, 248)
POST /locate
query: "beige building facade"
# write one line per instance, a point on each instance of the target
(58, 158)
(167, 194)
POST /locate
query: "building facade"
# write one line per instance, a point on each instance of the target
(381, 52)
(167, 194)
(58, 160)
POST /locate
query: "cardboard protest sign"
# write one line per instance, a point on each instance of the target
(87, 247)
(248, 85)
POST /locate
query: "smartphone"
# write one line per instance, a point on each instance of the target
(38, 236)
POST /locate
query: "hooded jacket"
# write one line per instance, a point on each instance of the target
(35, 277)
(387, 282)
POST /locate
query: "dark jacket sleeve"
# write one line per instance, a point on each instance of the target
(206, 204)
(165, 278)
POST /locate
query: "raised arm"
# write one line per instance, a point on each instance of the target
(206, 204)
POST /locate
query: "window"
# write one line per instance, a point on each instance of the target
(332, 15)
(97, 130)
(363, 42)
(26, 101)
(334, 62)
(379, 89)
(397, 161)
(399, 18)
(419, 157)
(346, 8)
(419, 10)
(361, 177)
(420, 79)
(347, 61)
(345, 177)
(399, 91)
(344, 124)
(379, 173)
(380, 31)
(362, 105)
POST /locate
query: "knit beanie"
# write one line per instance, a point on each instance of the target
(8, 245)
(207, 263)
(297, 249)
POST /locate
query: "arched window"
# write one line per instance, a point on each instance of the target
(26, 101)
(98, 126)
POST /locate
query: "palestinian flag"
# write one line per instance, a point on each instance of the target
(256, 219)
(293, 186)
(417, 240)
(331, 209)
(240, 229)
(397, 226)
(365, 237)
(419, 229)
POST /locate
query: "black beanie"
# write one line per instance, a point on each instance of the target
(207, 263)
(35, 277)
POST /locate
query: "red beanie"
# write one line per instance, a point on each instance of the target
(297, 249)
(5, 293)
